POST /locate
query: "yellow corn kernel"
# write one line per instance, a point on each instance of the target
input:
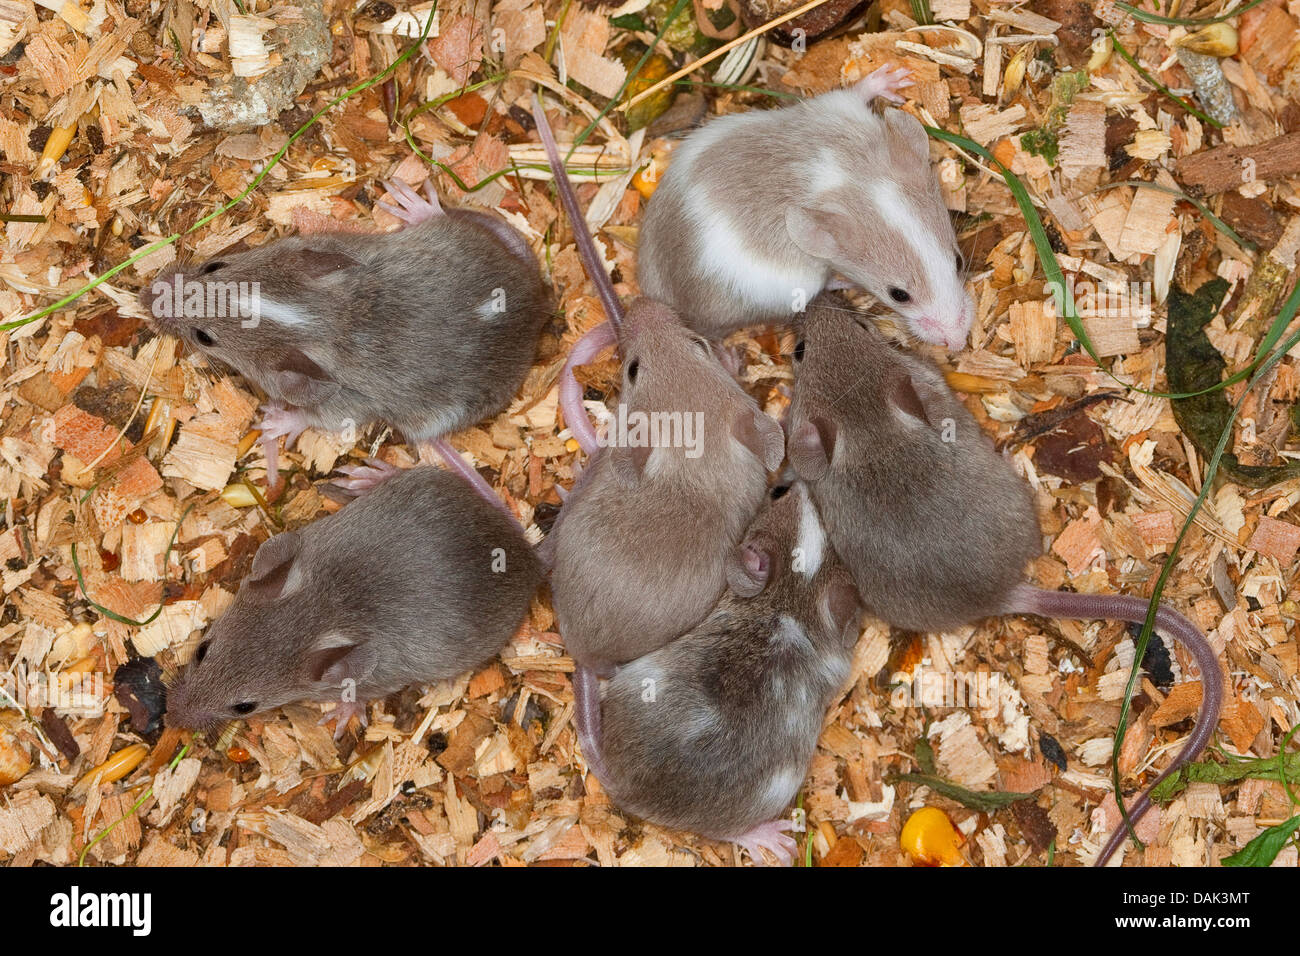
(571, 445)
(57, 144)
(1217, 39)
(930, 839)
(237, 495)
(117, 766)
(1014, 74)
(15, 760)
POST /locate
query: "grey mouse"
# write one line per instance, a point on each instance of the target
(431, 328)
(638, 553)
(758, 210)
(714, 732)
(936, 526)
(416, 581)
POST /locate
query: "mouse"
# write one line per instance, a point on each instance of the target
(758, 211)
(714, 732)
(638, 552)
(935, 526)
(417, 580)
(430, 328)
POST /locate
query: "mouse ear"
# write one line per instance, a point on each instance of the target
(909, 131)
(915, 398)
(329, 659)
(749, 568)
(811, 448)
(811, 231)
(841, 608)
(269, 578)
(300, 381)
(320, 263)
(762, 435)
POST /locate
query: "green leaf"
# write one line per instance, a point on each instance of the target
(1139, 14)
(983, 801)
(1193, 364)
(1263, 850)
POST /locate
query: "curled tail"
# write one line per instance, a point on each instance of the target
(1063, 604)
(586, 706)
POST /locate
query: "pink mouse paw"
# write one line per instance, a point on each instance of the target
(343, 712)
(770, 836)
(278, 422)
(885, 82)
(413, 207)
(365, 478)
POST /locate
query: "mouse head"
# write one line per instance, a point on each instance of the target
(670, 374)
(889, 232)
(785, 560)
(278, 643)
(264, 312)
(853, 386)
(660, 353)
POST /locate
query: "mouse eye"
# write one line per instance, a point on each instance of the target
(202, 652)
(203, 337)
(633, 367)
(211, 267)
(898, 295)
(245, 707)
(798, 350)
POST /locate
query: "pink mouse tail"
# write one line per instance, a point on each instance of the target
(575, 413)
(591, 258)
(457, 464)
(1063, 604)
(586, 707)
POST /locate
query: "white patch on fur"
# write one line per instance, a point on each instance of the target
(293, 581)
(812, 538)
(781, 788)
(285, 315)
(765, 283)
(487, 309)
(790, 632)
(946, 298)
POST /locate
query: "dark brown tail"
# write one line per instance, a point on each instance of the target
(1119, 607)
(591, 258)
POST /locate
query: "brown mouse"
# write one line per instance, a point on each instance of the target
(431, 328)
(714, 732)
(416, 581)
(935, 526)
(638, 554)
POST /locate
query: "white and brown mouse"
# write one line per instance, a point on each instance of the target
(638, 554)
(431, 328)
(714, 732)
(759, 210)
(936, 527)
(416, 581)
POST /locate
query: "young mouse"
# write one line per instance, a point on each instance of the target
(416, 581)
(934, 524)
(431, 328)
(638, 553)
(714, 732)
(758, 209)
